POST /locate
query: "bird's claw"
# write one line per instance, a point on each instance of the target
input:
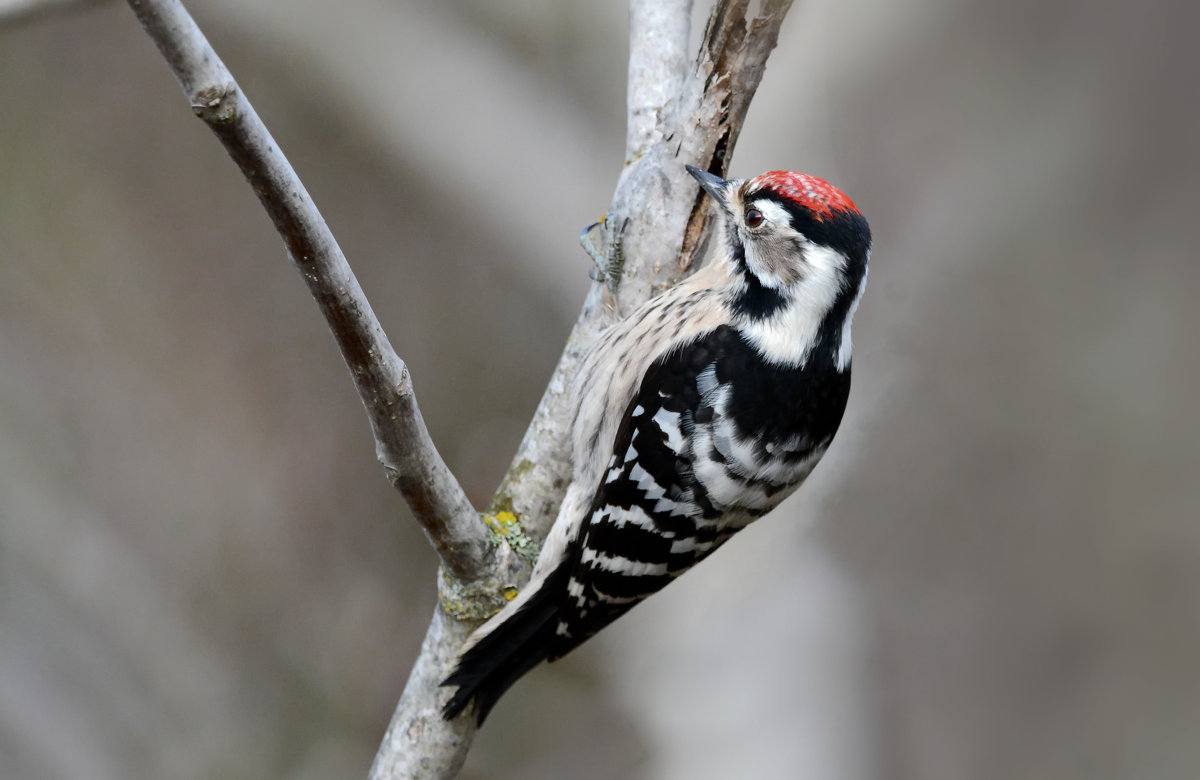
(598, 273)
(607, 267)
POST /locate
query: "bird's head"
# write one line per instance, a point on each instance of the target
(800, 247)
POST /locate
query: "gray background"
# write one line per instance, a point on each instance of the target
(994, 574)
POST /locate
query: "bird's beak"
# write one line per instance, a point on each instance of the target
(713, 185)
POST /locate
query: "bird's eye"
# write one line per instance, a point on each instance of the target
(754, 218)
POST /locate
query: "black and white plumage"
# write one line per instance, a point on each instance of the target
(694, 416)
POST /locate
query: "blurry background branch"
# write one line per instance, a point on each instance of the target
(402, 442)
(18, 11)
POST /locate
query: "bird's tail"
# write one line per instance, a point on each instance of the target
(509, 650)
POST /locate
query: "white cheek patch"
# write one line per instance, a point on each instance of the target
(786, 336)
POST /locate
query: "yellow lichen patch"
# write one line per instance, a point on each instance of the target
(507, 521)
(502, 523)
(510, 592)
(506, 528)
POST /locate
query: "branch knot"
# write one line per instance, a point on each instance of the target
(216, 104)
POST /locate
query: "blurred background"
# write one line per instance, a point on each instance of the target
(995, 573)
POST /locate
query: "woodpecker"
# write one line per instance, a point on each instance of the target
(692, 417)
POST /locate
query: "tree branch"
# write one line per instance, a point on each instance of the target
(658, 41)
(402, 442)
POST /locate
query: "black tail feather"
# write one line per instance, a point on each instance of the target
(514, 647)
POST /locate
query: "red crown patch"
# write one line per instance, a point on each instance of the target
(812, 192)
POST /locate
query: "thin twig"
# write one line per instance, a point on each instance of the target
(402, 442)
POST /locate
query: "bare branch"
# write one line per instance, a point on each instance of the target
(419, 743)
(402, 442)
(658, 41)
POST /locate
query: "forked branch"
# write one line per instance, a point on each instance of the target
(679, 112)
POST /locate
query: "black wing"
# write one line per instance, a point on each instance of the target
(714, 438)
(651, 519)
(642, 507)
